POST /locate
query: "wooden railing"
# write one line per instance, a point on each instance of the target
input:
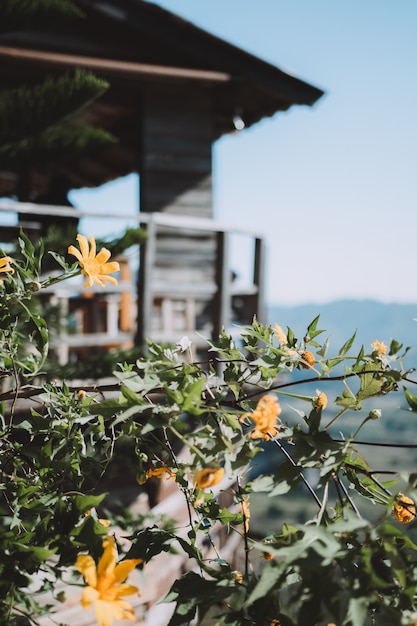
(184, 283)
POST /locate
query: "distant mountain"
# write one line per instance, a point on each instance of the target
(340, 319)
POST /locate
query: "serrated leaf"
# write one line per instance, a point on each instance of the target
(312, 328)
(347, 345)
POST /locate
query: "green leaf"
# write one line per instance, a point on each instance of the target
(38, 553)
(347, 345)
(268, 580)
(313, 421)
(372, 383)
(348, 401)
(411, 399)
(358, 610)
(85, 502)
(312, 328)
(192, 592)
(193, 397)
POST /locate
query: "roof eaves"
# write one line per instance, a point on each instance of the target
(207, 50)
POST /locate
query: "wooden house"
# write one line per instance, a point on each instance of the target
(175, 89)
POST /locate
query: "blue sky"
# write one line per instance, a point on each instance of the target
(332, 187)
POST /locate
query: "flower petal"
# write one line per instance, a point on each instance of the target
(92, 252)
(3, 264)
(109, 268)
(103, 256)
(86, 566)
(106, 612)
(88, 596)
(127, 590)
(108, 559)
(83, 243)
(123, 569)
(73, 250)
(108, 279)
(208, 477)
(90, 281)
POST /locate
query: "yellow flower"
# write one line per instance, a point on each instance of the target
(265, 417)
(106, 584)
(208, 477)
(3, 266)
(379, 347)
(159, 472)
(280, 335)
(404, 509)
(94, 266)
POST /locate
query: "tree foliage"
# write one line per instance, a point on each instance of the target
(39, 123)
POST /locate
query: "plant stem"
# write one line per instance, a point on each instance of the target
(294, 464)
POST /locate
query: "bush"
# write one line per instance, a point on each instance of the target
(202, 426)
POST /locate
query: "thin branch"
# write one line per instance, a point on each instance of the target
(316, 379)
(294, 464)
(347, 496)
(379, 444)
(29, 391)
(245, 533)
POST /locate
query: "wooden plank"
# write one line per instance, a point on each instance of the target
(222, 300)
(111, 67)
(176, 151)
(92, 339)
(259, 279)
(145, 296)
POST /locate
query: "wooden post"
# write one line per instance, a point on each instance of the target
(222, 300)
(145, 297)
(259, 279)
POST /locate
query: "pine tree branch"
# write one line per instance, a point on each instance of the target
(25, 14)
(58, 143)
(25, 112)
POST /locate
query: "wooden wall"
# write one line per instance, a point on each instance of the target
(176, 178)
(176, 160)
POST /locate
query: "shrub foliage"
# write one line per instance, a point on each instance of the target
(203, 426)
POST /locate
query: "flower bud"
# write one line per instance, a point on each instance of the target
(307, 359)
(375, 414)
(320, 402)
(34, 286)
(238, 576)
(403, 509)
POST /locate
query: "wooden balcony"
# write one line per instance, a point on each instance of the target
(180, 282)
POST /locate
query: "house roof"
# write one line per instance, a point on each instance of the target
(137, 45)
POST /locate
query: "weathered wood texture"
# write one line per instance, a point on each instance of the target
(176, 178)
(185, 284)
(176, 160)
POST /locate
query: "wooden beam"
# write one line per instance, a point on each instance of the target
(111, 66)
